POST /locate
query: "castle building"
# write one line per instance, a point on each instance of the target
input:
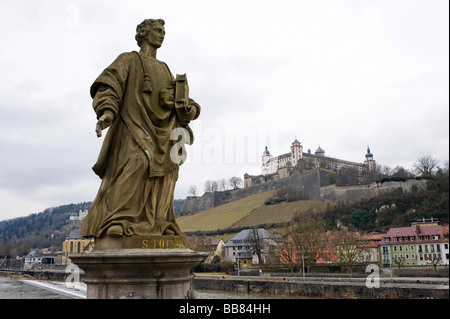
(281, 166)
(272, 164)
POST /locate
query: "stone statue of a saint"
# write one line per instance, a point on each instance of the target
(136, 98)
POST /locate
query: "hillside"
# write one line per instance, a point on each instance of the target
(246, 212)
(396, 208)
(43, 230)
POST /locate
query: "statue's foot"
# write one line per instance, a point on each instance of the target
(169, 232)
(115, 231)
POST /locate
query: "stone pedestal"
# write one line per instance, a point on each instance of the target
(147, 272)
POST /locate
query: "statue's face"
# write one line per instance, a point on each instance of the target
(155, 36)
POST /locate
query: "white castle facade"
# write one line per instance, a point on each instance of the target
(271, 164)
(281, 166)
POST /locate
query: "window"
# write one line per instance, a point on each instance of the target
(411, 247)
(436, 237)
(395, 248)
(385, 250)
(411, 238)
(395, 239)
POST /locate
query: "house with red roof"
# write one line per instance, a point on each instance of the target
(416, 245)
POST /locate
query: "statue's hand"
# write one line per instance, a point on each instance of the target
(189, 113)
(166, 98)
(104, 121)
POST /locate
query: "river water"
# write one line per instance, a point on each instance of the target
(16, 289)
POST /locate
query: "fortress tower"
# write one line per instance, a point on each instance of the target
(265, 166)
(369, 162)
(296, 151)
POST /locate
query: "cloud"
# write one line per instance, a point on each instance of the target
(342, 75)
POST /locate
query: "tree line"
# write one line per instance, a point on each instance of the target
(217, 185)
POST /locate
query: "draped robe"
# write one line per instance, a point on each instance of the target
(138, 176)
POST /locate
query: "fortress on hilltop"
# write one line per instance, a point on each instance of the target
(318, 177)
(281, 166)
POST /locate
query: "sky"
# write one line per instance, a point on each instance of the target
(339, 74)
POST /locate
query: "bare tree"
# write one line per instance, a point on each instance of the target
(222, 184)
(287, 249)
(434, 261)
(192, 190)
(425, 165)
(257, 244)
(400, 171)
(348, 250)
(235, 182)
(309, 238)
(399, 261)
(211, 186)
(384, 169)
(208, 187)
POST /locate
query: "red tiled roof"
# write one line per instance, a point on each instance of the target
(414, 231)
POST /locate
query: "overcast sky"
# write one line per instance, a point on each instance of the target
(342, 74)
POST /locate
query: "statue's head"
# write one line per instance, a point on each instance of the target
(152, 31)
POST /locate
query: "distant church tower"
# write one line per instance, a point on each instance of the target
(296, 152)
(369, 162)
(265, 166)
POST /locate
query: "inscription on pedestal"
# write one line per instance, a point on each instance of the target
(155, 242)
(162, 243)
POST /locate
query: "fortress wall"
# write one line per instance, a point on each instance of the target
(308, 183)
(352, 194)
(193, 204)
(314, 185)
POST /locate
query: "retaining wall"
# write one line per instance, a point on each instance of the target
(323, 288)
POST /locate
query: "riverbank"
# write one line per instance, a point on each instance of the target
(328, 288)
(290, 287)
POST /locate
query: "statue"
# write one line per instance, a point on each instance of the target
(141, 102)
